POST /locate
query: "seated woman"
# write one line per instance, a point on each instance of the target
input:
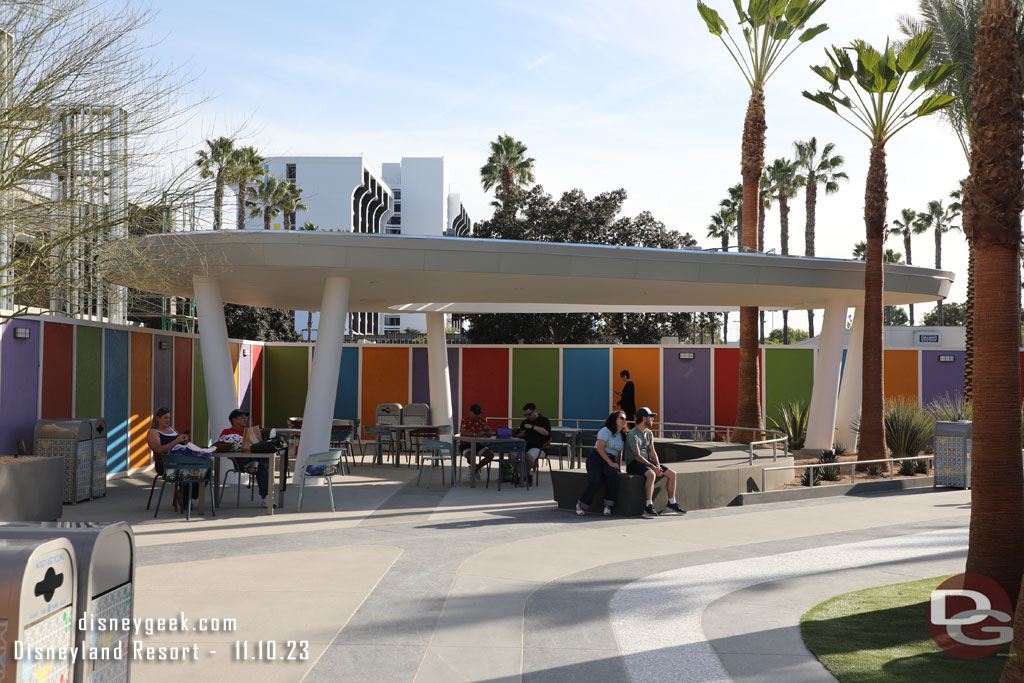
(162, 437)
(603, 464)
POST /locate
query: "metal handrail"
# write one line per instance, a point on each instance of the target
(854, 463)
(777, 438)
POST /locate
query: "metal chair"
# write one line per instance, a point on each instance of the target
(248, 468)
(381, 436)
(417, 435)
(320, 466)
(560, 444)
(341, 439)
(431, 450)
(586, 439)
(501, 449)
(186, 469)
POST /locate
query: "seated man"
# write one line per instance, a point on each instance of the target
(536, 429)
(642, 459)
(475, 424)
(235, 435)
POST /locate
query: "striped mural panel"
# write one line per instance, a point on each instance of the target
(58, 371)
(941, 377)
(346, 397)
(644, 367)
(245, 380)
(385, 379)
(256, 406)
(163, 373)
(88, 372)
(140, 399)
(485, 381)
(789, 376)
(586, 385)
(19, 384)
(200, 412)
(687, 386)
(181, 415)
(535, 380)
(899, 375)
(235, 350)
(115, 398)
(286, 371)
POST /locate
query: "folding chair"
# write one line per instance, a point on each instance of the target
(431, 450)
(187, 469)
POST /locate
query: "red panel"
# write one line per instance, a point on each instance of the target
(256, 402)
(485, 381)
(182, 416)
(727, 376)
(58, 370)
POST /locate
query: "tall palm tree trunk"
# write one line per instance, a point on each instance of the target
(811, 206)
(218, 198)
(243, 188)
(906, 248)
(969, 312)
(784, 238)
(748, 408)
(266, 218)
(938, 266)
(760, 245)
(872, 427)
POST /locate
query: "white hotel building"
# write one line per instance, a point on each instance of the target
(408, 197)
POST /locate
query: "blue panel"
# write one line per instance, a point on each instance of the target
(115, 398)
(346, 401)
(585, 385)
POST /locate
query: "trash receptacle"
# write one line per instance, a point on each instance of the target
(37, 608)
(953, 454)
(71, 440)
(105, 590)
(389, 413)
(99, 456)
(416, 414)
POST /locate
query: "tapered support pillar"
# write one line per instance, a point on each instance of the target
(323, 378)
(850, 391)
(821, 423)
(221, 393)
(437, 362)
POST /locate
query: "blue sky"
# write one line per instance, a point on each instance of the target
(605, 93)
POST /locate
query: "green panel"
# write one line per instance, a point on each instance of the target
(200, 413)
(285, 378)
(789, 376)
(535, 379)
(89, 372)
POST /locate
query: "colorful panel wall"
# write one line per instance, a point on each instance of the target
(88, 372)
(586, 385)
(346, 399)
(163, 373)
(245, 379)
(286, 370)
(19, 384)
(421, 378)
(115, 398)
(644, 367)
(181, 415)
(941, 378)
(140, 399)
(900, 374)
(687, 386)
(200, 412)
(485, 381)
(256, 406)
(234, 349)
(535, 380)
(58, 370)
(727, 374)
(789, 376)
(385, 380)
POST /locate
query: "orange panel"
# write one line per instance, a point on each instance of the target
(900, 374)
(645, 371)
(385, 380)
(140, 404)
(235, 348)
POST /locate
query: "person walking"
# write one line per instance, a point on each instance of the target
(603, 464)
(627, 397)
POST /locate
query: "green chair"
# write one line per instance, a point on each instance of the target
(187, 469)
(320, 466)
(381, 436)
(341, 440)
(430, 451)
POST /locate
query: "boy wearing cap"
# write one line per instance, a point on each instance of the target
(235, 435)
(642, 459)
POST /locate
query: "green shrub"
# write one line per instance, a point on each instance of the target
(875, 470)
(907, 468)
(829, 473)
(805, 478)
(838, 448)
(793, 423)
(948, 408)
(922, 467)
(908, 427)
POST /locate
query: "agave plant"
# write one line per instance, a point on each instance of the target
(908, 427)
(908, 468)
(793, 422)
(875, 470)
(948, 408)
(829, 473)
(811, 475)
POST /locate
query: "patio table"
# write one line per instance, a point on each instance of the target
(272, 464)
(401, 434)
(475, 441)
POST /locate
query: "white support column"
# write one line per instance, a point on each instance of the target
(821, 423)
(850, 392)
(437, 363)
(323, 380)
(221, 397)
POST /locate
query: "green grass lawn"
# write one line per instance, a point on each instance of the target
(881, 634)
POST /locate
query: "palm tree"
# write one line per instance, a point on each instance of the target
(212, 163)
(906, 226)
(762, 208)
(266, 196)
(507, 168)
(879, 96)
(291, 201)
(784, 182)
(767, 30)
(816, 170)
(723, 224)
(939, 220)
(244, 166)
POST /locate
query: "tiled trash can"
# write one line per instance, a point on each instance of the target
(953, 454)
(99, 456)
(71, 440)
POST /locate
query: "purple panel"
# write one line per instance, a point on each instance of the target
(163, 372)
(940, 378)
(245, 377)
(687, 387)
(19, 384)
(421, 378)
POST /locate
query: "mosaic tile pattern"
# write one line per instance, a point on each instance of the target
(99, 467)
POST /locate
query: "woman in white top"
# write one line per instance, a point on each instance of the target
(603, 464)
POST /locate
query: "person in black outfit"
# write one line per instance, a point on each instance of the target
(627, 397)
(536, 429)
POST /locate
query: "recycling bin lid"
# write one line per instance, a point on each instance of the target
(42, 572)
(99, 426)
(106, 549)
(63, 429)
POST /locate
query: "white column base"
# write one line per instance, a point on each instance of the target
(821, 423)
(221, 393)
(437, 362)
(850, 392)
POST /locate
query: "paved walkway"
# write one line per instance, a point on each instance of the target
(410, 584)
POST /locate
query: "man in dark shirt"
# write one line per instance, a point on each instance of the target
(627, 400)
(536, 430)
